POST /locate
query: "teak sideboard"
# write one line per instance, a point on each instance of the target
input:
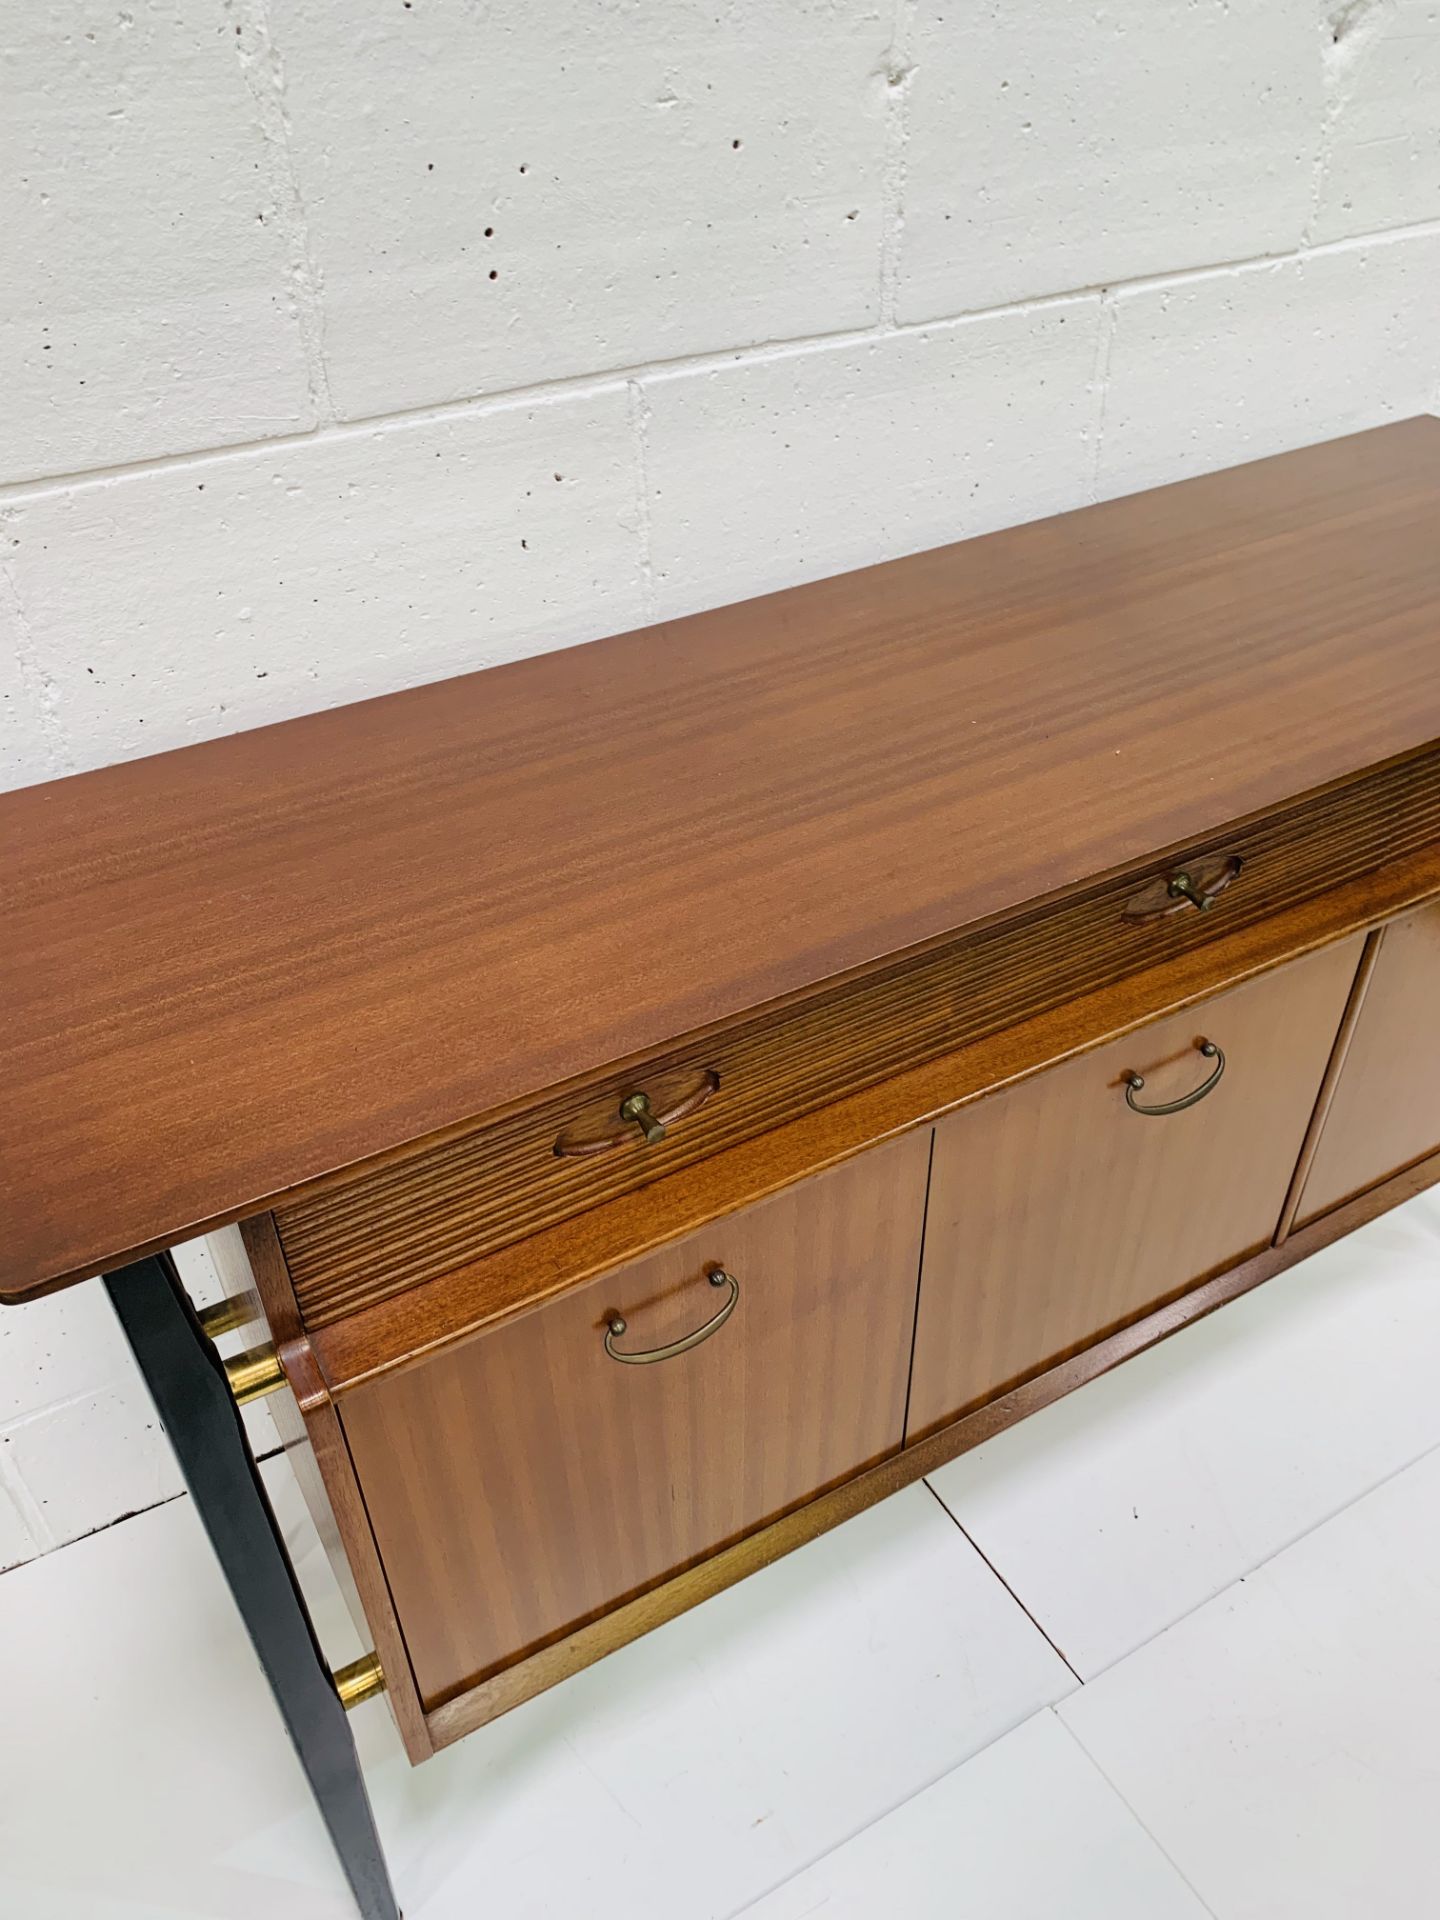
(657, 1098)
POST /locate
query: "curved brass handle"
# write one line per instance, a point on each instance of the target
(1135, 1081)
(638, 1112)
(616, 1326)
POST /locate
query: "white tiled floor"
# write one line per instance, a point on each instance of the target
(1283, 1743)
(1235, 1540)
(1027, 1828)
(1121, 1508)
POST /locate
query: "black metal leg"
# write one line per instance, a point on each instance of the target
(192, 1396)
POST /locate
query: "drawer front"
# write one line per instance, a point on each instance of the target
(1386, 1109)
(377, 1235)
(1058, 1212)
(531, 1480)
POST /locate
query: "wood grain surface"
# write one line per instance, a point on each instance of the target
(530, 1482)
(489, 1698)
(1057, 1213)
(1386, 1106)
(233, 969)
(354, 1245)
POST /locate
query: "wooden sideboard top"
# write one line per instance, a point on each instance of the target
(234, 968)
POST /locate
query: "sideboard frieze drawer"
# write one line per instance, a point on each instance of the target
(382, 1232)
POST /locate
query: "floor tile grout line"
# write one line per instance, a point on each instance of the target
(1154, 1838)
(866, 1826)
(1059, 1654)
(1256, 1567)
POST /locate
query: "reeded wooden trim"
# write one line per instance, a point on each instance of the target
(492, 1697)
(442, 1313)
(1338, 1053)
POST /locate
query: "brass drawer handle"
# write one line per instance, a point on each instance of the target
(636, 1107)
(637, 1110)
(1182, 887)
(1135, 1081)
(1198, 884)
(616, 1326)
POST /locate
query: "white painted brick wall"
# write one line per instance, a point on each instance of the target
(79, 1441)
(147, 303)
(1265, 357)
(1054, 147)
(777, 290)
(515, 193)
(225, 592)
(783, 467)
(1380, 159)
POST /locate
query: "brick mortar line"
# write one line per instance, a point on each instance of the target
(37, 686)
(639, 423)
(1100, 378)
(52, 1545)
(898, 70)
(263, 72)
(32, 1514)
(588, 385)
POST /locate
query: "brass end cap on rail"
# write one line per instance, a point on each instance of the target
(254, 1373)
(361, 1680)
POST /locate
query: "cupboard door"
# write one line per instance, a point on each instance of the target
(1386, 1109)
(1057, 1213)
(532, 1479)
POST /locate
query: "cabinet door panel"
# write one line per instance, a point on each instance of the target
(1386, 1109)
(1056, 1213)
(528, 1482)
